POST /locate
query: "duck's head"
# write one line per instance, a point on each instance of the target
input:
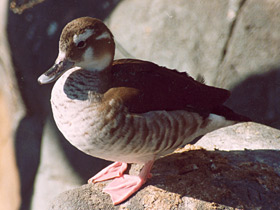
(84, 42)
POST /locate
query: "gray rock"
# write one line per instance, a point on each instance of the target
(186, 35)
(55, 174)
(195, 178)
(254, 43)
(251, 64)
(242, 136)
(258, 98)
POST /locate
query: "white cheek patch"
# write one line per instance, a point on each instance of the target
(83, 36)
(88, 55)
(94, 64)
(105, 35)
(103, 62)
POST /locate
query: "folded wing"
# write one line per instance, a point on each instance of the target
(144, 86)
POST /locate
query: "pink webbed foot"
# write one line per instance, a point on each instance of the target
(114, 170)
(123, 187)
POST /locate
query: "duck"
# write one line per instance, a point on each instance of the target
(127, 110)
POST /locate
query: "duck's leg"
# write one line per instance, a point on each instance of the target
(114, 170)
(123, 187)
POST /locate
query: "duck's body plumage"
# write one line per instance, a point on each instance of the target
(141, 112)
(128, 111)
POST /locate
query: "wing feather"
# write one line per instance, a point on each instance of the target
(159, 88)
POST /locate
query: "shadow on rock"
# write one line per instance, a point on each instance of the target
(85, 165)
(240, 179)
(203, 179)
(258, 98)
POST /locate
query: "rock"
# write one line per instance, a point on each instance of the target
(11, 110)
(251, 64)
(227, 176)
(242, 136)
(55, 174)
(9, 182)
(253, 45)
(62, 167)
(258, 98)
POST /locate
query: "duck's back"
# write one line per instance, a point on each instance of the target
(164, 89)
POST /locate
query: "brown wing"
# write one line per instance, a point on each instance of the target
(144, 86)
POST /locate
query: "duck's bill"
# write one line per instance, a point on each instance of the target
(55, 71)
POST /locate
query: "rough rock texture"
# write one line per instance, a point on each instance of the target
(253, 47)
(226, 176)
(251, 136)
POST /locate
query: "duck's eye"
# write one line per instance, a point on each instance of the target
(81, 44)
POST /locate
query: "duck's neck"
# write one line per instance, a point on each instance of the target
(85, 85)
